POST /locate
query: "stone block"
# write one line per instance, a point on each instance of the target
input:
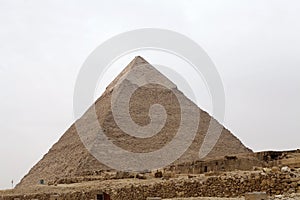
(256, 196)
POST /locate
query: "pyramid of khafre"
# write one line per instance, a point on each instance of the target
(69, 157)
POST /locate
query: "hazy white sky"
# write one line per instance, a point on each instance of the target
(254, 44)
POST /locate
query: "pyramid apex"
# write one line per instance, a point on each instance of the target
(138, 60)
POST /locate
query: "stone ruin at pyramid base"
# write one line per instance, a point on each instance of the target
(273, 174)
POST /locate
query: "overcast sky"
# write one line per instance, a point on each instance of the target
(254, 44)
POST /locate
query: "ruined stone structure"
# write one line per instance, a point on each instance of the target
(243, 162)
(230, 184)
(226, 163)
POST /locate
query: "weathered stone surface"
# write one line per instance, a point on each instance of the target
(69, 158)
(256, 196)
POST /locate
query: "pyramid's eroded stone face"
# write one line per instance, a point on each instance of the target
(148, 130)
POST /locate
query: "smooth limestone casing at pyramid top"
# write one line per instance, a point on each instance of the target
(69, 157)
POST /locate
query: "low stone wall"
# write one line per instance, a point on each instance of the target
(227, 163)
(215, 186)
(245, 162)
(272, 181)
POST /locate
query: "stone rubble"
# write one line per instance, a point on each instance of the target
(278, 183)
